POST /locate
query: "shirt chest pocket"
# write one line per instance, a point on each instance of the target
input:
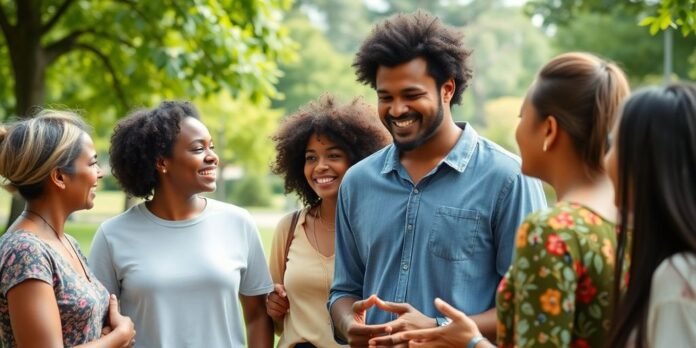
(454, 233)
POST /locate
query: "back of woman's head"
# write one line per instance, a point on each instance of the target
(31, 148)
(583, 93)
(353, 127)
(140, 139)
(656, 171)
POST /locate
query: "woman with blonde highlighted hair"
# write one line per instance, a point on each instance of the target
(48, 295)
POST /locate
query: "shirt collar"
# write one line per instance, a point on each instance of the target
(457, 158)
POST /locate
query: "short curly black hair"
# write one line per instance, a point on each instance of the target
(353, 127)
(404, 37)
(140, 139)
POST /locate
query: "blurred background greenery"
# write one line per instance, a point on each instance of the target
(248, 63)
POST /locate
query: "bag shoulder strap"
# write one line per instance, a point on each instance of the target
(288, 241)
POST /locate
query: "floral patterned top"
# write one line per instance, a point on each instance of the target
(558, 290)
(83, 304)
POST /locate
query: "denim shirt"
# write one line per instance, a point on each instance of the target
(449, 236)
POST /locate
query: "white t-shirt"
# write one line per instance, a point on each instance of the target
(179, 281)
(672, 308)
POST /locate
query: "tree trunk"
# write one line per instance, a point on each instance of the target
(29, 71)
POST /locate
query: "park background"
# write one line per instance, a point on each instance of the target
(248, 63)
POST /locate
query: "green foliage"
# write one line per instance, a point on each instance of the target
(656, 15)
(639, 54)
(457, 13)
(344, 23)
(119, 54)
(672, 13)
(241, 129)
(320, 69)
(507, 52)
(251, 190)
(502, 117)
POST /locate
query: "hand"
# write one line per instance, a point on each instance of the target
(457, 334)
(106, 330)
(408, 319)
(357, 333)
(120, 325)
(277, 304)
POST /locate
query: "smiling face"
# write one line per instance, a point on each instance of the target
(81, 183)
(410, 104)
(192, 167)
(325, 164)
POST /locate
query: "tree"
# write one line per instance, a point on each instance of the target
(119, 53)
(507, 51)
(320, 69)
(580, 22)
(658, 15)
(639, 54)
(241, 131)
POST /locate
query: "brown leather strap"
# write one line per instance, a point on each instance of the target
(291, 234)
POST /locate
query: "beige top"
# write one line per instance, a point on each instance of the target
(307, 282)
(672, 309)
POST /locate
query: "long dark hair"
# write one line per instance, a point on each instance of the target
(656, 168)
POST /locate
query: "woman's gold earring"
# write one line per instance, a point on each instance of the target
(164, 171)
(545, 147)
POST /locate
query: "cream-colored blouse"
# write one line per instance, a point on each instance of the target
(307, 282)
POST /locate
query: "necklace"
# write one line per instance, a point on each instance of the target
(72, 254)
(323, 223)
(320, 257)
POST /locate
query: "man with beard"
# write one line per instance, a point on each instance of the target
(434, 214)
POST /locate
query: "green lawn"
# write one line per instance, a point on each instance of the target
(84, 232)
(83, 224)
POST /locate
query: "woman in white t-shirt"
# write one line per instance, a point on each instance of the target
(653, 166)
(184, 266)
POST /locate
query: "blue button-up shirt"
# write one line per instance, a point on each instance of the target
(449, 236)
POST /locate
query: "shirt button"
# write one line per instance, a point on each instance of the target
(416, 191)
(409, 227)
(404, 266)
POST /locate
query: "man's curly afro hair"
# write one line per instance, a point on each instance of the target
(353, 127)
(404, 37)
(140, 139)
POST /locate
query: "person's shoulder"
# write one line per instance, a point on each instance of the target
(22, 245)
(132, 215)
(230, 208)
(229, 212)
(498, 157)
(20, 240)
(373, 161)
(675, 277)
(553, 219)
(287, 218)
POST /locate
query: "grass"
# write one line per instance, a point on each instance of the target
(83, 224)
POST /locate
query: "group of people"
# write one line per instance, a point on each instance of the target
(415, 231)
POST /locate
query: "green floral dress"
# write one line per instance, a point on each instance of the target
(558, 291)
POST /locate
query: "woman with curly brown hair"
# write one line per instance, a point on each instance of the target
(185, 266)
(316, 146)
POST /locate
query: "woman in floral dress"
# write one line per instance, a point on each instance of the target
(558, 290)
(48, 295)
